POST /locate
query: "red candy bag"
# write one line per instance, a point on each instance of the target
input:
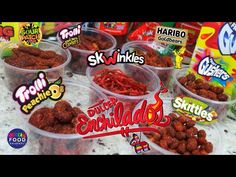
(145, 32)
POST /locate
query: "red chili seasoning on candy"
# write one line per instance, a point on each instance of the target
(118, 82)
(153, 58)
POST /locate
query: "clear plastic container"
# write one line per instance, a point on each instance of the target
(164, 73)
(138, 73)
(80, 95)
(212, 133)
(79, 63)
(16, 76)
(221, 107)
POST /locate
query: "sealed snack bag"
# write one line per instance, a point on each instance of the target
(118, 29)
(146, 32)
(214, 57)
(193, 32)
(8, 32)
(26, 33)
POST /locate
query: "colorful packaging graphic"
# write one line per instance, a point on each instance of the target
(168, 35)
(178, 53)
(8, 32)
(27, 33)
(49, 28)
(214, 57)
(139, 146)
(30, 33)
(70, 36)
(114, 28)
(145, 32)
(193, 32)
(195, 109)
(30, 95)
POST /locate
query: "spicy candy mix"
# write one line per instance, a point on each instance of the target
(154, 58)
(93, 43)
(182, 137)
(60, 119)
(118, 82)
(34, 58)
(203, 88)
(214, 56)
(88, 43)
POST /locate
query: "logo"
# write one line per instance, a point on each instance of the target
(31, 95)
(120, 119)
(6, 33)
(179, 56)
(30, 34)
(129, 57)
(17, 138)
(195, 109)
(139, 146)
(208, 67)
(70, 36)
(169, 35)
(227, 39)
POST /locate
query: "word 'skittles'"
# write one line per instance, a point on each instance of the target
(99, 58)
(227, 39)
(195, 109)
(208, 67)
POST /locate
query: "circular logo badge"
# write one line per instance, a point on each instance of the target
(30, 34)
(17, 138)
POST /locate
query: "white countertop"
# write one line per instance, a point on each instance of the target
(9, 119)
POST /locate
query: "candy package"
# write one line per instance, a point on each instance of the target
(27, 33)
(214, 57)
(193, 32)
